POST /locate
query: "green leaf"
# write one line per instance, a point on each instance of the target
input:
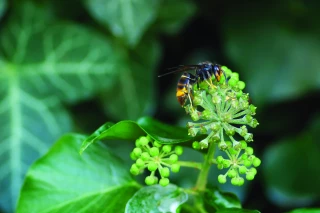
(64, 181)
(126, 19)
(3, 7)
(42, 64)
(130, 130)
(291, 168)
(272, 51)
(133, 95)
(173, 15)
(305, 210)
(236, 210)
(157, 198)
(221, 200)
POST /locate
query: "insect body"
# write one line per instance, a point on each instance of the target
(203, 72)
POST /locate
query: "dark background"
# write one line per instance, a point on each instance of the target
(273, 45)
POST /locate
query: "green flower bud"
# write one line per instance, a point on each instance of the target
(232, 173)
(137, 151)
(133, 156)
(249, 176)
(207, 114)
(222, 179)
(178, 150)
(165, 172)
(157, 144)
(134, 169)
(152, 166)
(256, 162)
(252, 109)
(248, 137)
(216, 99)
(149, 180)
(241, 85)
(230, 131)
(226, 163)
(215, 138)
(197, 101)
(243, 131)
(204, 143)
(173, 158)
(235, 181)
(239, 94)
(220, 159)
(203, 130)
(244, 156)
(215, 127)
(240, 181)
(233, 82)
(196, 145)
(145, 156)
(253, 170)
(232, 151)
(143, 141)
(139, 162)
(164, 181)
(249, 150)
(254, 123)
(194, 115)
(242, 169)
(175, 168)
(247, 118)
(193, 131)
(247, 163)
(166, 148)
(220, 166)
(243, 144)
(235, 76)
(154, 151)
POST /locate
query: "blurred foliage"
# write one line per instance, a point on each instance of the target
(68, 64)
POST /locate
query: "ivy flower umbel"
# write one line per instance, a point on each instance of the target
(224, 113)
(151, 155)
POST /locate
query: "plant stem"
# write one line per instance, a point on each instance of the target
(195, 165)
(203, 176)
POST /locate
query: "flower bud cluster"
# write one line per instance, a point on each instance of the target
(241, 161)
(153, 156)
(223, 109)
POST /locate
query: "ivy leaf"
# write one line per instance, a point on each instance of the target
(134, 88)
(305, 210)
(156, 199)
(221, 200)
(43, 63)
(3, 7)
(67, 182)
(131, 130)
(126, 19)
(173, 15)
(273, 52)
(236, 210)
(290, 161)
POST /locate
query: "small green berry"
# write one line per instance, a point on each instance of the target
(175, 168)
(137, 151)
(244, 156)
(250, 176)
(226, 163)
(152, 166)
(240, 181)
(139, 162)
(241, 85)
(220, 166)
(154, 151)
(249, 150)
(173, 158)
(166, 148)
(149, 180)
(165, 172)
(145, 156)
(196, 145)
(157, 144)
(247, 163)
(164, 181)
(242, 169)
(220, 159)
(143, 140)
(133, 156)
(256, 162)
(134, 169)
(235, 181)
(178, 150)
(222, 179)
(243, 144)
(239, 94)
(233, 82)
(253, 171)
(232, 173)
